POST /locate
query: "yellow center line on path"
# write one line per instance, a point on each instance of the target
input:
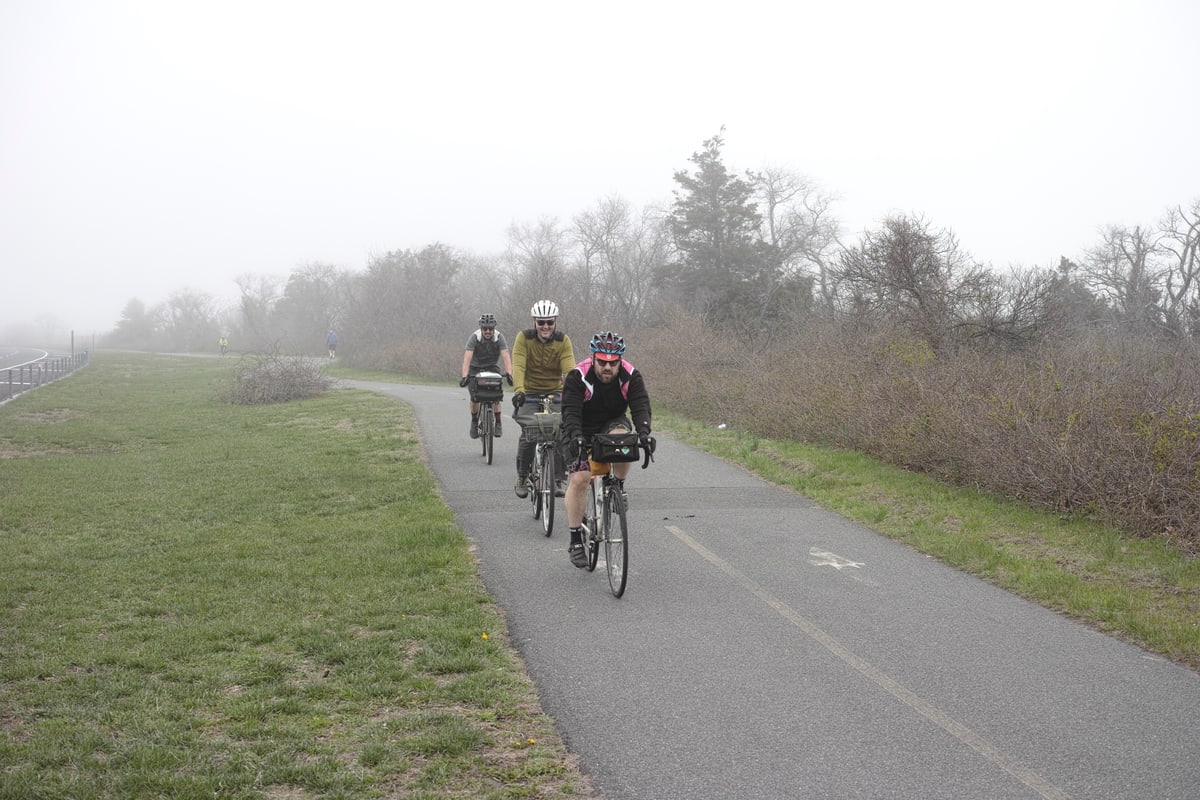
(876, 676)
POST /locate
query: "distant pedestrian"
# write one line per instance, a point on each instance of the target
(224, 343)
(331, 343)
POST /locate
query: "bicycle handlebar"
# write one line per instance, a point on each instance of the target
(649, 449)
(546, 401)
(649, 444)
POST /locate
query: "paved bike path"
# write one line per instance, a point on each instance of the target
(767, 648)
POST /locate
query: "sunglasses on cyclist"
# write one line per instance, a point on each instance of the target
(545, 323)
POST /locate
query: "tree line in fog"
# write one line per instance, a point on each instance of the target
(752, 253)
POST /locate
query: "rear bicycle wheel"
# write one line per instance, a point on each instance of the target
(546, 488)
(487, 430)
(616, 541)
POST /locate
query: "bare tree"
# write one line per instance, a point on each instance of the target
(1180, 247)
(1013, 310)
(1123, 270)
(484, 290)
(600, 234)
(403, 294)
(620, 250)
(649, 246)
(1150, 277)
(537, 258)
(915, 277)
(191, 324)
(798, 222)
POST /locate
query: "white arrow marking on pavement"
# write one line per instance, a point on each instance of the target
(985, 748)
(824, 558)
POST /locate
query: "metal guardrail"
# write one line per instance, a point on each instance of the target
(15, 380)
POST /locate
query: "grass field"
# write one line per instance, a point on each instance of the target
(208, 600)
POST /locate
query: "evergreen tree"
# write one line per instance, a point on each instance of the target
(137, 327)
(724, 269)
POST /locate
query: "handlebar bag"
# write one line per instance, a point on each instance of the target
(613, 447)
(487, 386)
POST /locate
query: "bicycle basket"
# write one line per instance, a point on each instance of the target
(612, 447)
(487, 386)
(544, 427)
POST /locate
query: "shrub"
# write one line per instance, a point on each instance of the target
(1106, 427)
(1102, 426)
(272, 378)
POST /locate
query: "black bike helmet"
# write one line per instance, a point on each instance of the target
(487, 320)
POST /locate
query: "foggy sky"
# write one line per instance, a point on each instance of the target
(147, 147)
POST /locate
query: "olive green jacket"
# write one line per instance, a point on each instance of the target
(539, 368)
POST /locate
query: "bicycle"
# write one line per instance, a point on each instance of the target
(486, 392)
(604, 515)
(544, 470)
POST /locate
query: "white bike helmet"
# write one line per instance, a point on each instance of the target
(543, 309)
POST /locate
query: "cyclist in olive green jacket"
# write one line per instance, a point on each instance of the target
(541, 357)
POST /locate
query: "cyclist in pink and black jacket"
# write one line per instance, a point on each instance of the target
(599, 395)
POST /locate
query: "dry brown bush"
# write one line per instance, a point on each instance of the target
(1104, 426)
(272, 378)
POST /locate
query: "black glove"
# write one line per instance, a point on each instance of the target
(518, 399)
(464, 381)
(644, 432)
(578, 447)
(508, 377)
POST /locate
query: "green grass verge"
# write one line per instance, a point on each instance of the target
(208, 600)
(1144, 590)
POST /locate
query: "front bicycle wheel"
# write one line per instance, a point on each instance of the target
(487, 431)
(535, 472)
(616, 541)
(546, 489)
(594, 532)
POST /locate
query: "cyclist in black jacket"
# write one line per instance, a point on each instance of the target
(599, 395)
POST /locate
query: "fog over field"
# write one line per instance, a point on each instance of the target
(147, 147)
